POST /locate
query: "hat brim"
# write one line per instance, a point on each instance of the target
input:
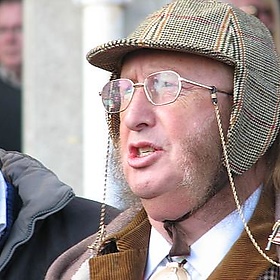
(109, 56)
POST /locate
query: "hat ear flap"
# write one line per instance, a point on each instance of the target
(113, 120)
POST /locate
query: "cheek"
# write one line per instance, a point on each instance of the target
(187, 120)
(123, 139)
(123, 131)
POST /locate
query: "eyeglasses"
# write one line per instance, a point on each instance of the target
(161, 88)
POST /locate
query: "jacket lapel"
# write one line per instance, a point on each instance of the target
(243, 260)
(124, 254)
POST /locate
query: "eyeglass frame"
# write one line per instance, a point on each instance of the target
(212, 89)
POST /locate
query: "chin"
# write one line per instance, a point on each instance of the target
(163, 209)
(144, 195)
(143, 191)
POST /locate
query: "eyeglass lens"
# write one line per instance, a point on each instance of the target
(160, 88)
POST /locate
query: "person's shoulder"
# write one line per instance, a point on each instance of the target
(80, 206)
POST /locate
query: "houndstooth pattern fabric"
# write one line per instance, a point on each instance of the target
(271, 274)
(225, 33)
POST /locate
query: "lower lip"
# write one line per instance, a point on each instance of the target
(144, 161)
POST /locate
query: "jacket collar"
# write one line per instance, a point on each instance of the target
(40, 192)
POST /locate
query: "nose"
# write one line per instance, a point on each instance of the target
(140, 112)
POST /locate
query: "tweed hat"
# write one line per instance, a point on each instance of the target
(224, 33)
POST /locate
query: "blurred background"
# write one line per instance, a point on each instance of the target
(63, 118)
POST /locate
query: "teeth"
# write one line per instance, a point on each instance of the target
(145, 151)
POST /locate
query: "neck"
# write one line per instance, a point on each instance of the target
(12, 75)
(218, 207)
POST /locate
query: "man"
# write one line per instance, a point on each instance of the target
(40, 217)
(10, 73)
(193, 110)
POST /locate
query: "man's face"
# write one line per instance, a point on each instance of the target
(171, 154)
(11, 35)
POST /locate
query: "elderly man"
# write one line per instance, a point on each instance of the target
(193, 110)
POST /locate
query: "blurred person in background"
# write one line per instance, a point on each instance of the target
(268, 11)
(10, 74)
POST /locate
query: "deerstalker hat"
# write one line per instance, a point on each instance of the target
(224, 33)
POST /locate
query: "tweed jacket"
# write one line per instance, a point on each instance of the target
(242, 262)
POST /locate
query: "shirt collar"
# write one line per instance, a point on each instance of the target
(217, 240)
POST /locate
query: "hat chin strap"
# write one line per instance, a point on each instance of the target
(179, 245)
(233, 188)
(179, 249)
